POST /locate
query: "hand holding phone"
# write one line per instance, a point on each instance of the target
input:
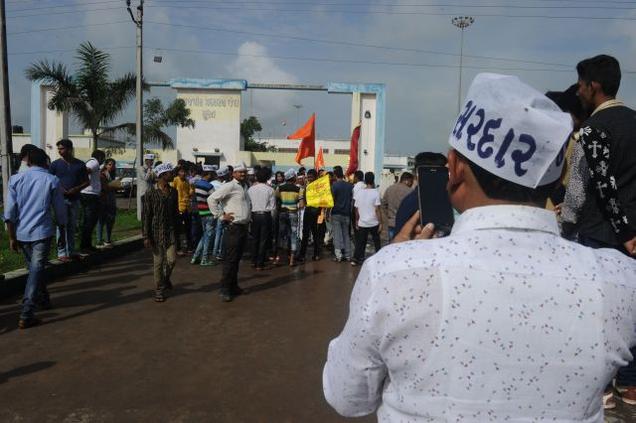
(434, 202)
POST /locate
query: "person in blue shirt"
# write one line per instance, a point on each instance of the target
(410, 204)
(73, 179)
(30, 227)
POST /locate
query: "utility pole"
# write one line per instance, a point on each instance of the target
(139, 162)
(461, 22)
(6, 146)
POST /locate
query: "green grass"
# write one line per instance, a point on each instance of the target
(126, 225)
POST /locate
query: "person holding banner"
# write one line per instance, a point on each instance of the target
(310, 224)
(502, 320)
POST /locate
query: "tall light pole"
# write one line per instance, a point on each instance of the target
(461, 22)
(298, 107)
(6, 146)
(139, 157)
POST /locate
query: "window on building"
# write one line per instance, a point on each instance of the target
(287, 150)
(340, 151)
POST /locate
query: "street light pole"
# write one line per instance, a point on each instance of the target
(6, 147)
(461, 22)
(298, 107)
(139, 130)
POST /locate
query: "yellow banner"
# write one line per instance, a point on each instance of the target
(318, 193)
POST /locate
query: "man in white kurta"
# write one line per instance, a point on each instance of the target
(503, 320)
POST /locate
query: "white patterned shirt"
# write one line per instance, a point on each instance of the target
(503, 320)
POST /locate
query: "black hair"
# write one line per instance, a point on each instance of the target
(37, 157)
(337, 170)
(405, 176)
(369, 178)
(281, 173)
(497, 188)
(24, 151)
(312, 172)
(99, 155)
(262, 175)
(569, 102)
(359, 175)
(65, 142)
(301, 170)
(112, 172)
(603, 69)
(430, 159)
(338, 167)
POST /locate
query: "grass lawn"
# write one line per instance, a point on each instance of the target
(126, 225)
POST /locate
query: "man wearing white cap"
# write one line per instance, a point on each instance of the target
(231, 205)
(503, 320)
(288, 195)
(160, 222)
(147, 178)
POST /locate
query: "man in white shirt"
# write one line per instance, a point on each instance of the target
(231, 204)
(368, 218)
(89, 198)
(503, 320)
(263, 205)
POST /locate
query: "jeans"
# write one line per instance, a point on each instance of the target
(197, 228)
(184, 232)
(261, 232)
(207, 239)
(361, 241)
(163, 261)
(36, 254)
(72, 210)
(310, 226)
(90, 210)
(288, 230)
(105, 223)
(341, 239)
(234, 240)
(218, 238)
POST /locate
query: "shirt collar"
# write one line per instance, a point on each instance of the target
(36, 169)
(607, 104)
(525, 218)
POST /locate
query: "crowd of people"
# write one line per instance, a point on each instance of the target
(213, 213)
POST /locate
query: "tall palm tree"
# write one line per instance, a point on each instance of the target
(156, 118)
(89, 94)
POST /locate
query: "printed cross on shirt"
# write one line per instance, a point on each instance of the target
(595, 146)
(602, 168)
(600, 186)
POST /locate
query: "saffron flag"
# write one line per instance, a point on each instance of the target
(307, 135)
(318, 193)
(320, 160)
(353, 151)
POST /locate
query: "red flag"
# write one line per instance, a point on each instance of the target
(353, 151)
(307, 134)
(320, 160)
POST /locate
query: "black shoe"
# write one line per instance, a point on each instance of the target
(226, 298)
(28, 323)
(168, 285)
(240, 291)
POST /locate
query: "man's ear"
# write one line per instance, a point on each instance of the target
(456, 170)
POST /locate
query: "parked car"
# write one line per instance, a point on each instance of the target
(128, 177)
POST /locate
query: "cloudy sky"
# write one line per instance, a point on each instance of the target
(409, 45)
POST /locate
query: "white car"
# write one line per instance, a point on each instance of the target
(128, 180)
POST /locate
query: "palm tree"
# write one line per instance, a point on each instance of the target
(89, 94)
(156, 118)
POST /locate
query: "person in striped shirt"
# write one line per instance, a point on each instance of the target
(288, 195)
(202, 190)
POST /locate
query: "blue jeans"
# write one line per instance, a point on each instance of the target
(207, 238)
(36, 254)
(341, 239)
(218, 239)
(72, 210)
(90, 208)
(288, 230)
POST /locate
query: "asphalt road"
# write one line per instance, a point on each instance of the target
(108, 353)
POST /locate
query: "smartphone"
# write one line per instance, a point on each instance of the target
(435, 205)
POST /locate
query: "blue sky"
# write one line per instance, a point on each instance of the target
(421, 86)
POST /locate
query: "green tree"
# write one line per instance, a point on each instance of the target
(249, 127)
(89, 93)
(156, 119)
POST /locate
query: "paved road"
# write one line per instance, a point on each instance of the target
(108, 353)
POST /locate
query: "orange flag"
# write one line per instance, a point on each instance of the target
(320, 160)
(307, 135)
